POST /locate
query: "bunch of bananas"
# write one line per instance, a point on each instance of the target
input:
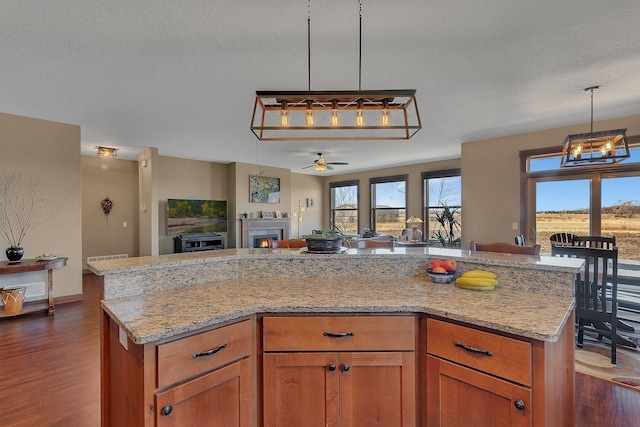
(477, 280)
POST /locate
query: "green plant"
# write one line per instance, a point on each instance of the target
(448, 233)
(331, 231)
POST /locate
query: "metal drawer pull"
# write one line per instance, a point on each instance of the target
(167, 410)
(339, 334)
(210, 352)
(472, 349)
(519, 404)
(332, 367)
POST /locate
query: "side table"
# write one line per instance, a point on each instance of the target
(27, 265)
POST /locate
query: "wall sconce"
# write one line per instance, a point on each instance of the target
(107, 152)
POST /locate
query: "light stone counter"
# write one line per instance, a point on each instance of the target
(153, 298)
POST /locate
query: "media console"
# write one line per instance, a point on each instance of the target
(197, 242)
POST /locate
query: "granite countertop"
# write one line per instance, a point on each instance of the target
(163, 314)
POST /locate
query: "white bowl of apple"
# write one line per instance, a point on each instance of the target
(442, 271)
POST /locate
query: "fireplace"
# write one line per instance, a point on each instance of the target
(262, 241)
(261, 228)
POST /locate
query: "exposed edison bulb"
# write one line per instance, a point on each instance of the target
(309, 119)
(360, 115)
(284, 118)
(577, 152)
(384, 118)
(284, 115)
(335, 118)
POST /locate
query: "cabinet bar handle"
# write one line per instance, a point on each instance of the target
(472, 349)
(210, 352)
(338, 334)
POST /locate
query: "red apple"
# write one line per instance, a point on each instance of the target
(435, 263)
(449, 265)
(438, 270)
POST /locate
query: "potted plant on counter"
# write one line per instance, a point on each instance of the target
(328, 240)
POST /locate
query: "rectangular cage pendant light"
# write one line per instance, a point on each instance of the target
(605, 147)
(335, 115)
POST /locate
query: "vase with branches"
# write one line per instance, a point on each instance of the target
(448, 232)
(22, 209)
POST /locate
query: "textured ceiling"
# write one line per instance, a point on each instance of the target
(181, 76)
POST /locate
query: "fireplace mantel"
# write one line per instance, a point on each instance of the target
(257, 226)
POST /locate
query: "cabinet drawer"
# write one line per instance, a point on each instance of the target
(339, 333)
(508, 358)
(176, 359)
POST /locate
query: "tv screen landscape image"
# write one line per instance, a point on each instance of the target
(186, 216)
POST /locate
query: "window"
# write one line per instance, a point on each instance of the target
(389, 204)
(344, 206)
(590, 200)
(442, 206)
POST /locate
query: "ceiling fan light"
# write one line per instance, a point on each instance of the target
(320, 167)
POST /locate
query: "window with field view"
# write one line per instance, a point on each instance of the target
(389, 204)
(586, 201)
(442, 202)
(344, 206)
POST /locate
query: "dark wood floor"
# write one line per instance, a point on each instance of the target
(50, 373)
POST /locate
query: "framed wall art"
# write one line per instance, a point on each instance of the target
(264, 189)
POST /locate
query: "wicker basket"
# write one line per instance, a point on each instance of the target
(13, 299)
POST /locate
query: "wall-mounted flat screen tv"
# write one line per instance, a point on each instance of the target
(185, 216)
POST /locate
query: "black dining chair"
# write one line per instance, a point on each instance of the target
(596, 292)
(601, 242)
(519, 240)
(564, 239)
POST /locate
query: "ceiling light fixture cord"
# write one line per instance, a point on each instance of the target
(360, 47)
(309, 42)
(592, 89)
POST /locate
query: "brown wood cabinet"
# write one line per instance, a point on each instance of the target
(480, 378)
(204, 379)
(356, 384)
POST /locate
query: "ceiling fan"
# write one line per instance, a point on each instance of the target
(321, 164)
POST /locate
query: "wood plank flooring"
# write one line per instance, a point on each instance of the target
(50, 373)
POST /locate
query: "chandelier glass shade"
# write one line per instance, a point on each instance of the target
(595, 148)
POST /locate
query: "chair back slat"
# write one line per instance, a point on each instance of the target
(601, 242)
(562, 239)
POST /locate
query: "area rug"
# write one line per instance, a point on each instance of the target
(595, 359)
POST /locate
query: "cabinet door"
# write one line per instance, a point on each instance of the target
(459, 396)
(300, 389)
(219, 398)
(377, 389)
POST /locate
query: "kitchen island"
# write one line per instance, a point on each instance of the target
(152, 304)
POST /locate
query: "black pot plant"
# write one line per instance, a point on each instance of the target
(328, 240)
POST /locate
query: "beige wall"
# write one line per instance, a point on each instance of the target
(414, 187)
(186, 179)
(51, 151)
(491, 178)
(304, 187)
(118, 180)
